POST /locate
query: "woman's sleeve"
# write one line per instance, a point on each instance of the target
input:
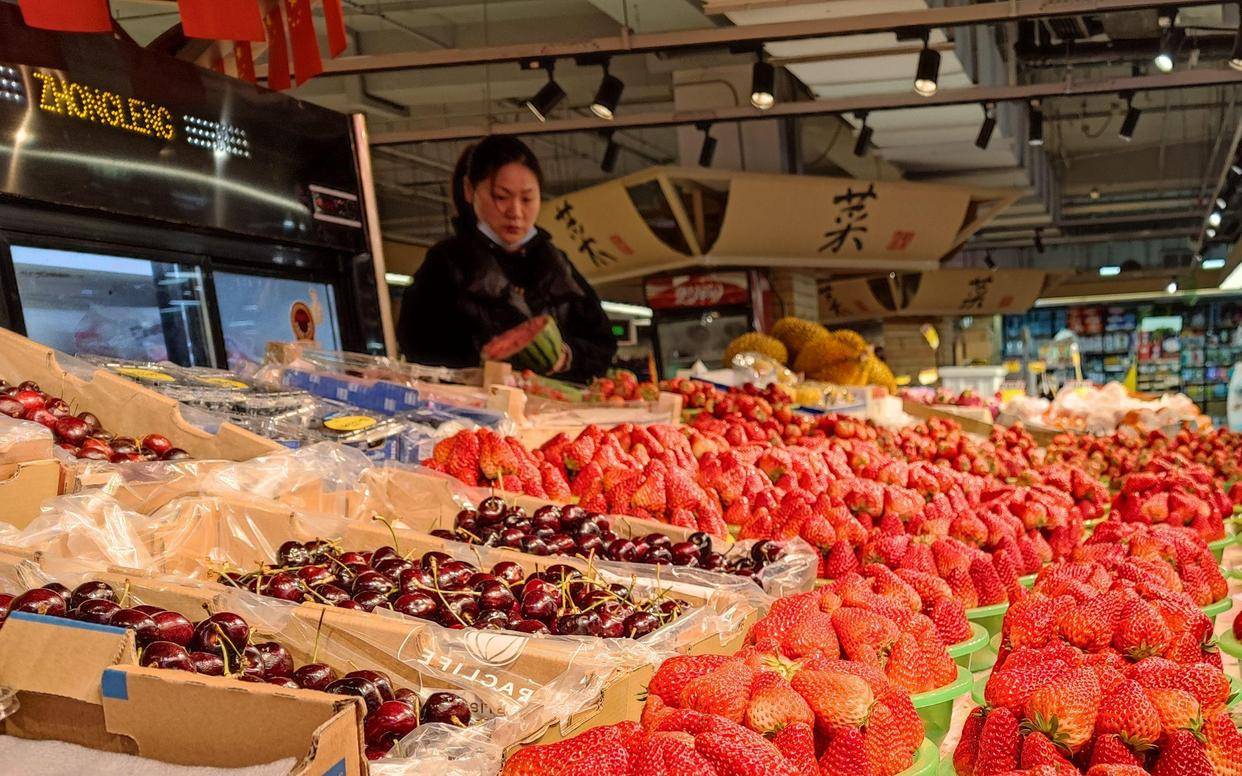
(428, 319)
(588, 334)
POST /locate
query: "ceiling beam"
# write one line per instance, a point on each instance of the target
(745, 35)
(1182, 79)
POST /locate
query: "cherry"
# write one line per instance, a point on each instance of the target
(31, 400)
(445, 708)
(492, 620)
(533, 545)
(491, 509)
(174, 627)
(43, 418)
(529, 626)
(148, 608)
(40, 601)
(175, 454)
(765, 551)
(359, 687)
(57, 587)
(139, 622)
(350, 558)
(509, 572)
(284, 586)
(71, 430)
(393, 720)
(373, 582)
(378, 751)
(392, 567)
(124, 445)
(640, 624)
(276, 659)
(292, 553)
(252, 662)
(210, 634)
(495, 595)
(453, 574)
(330, 594)
(156, 443)
(576, 624)
(58, 407)
(313, 576)
(380, 680)
(458, 611)
(369, 600)
(384, 553)
(89, 591)
(282, 681)
(685, 554)
(419, 604)
(207, 663)
(622, 550)
(165, 654)
(539, 605)
(90, 420)
(96, 610)
(314, 676)
(28, 385)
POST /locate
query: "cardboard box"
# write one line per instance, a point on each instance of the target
(123, 406)
(98, 697)
(24, 487)
(968, 424)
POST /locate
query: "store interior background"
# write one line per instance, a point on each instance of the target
(1107, 215)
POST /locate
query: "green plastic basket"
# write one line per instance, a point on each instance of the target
(926, 761)
(963, 651)
(976, 690)
(990, 617)
(1218, 547)
(1230, 645)
(1028, 581)
(936, 706)
(1218, 608)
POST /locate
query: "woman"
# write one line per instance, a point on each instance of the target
(499, 270)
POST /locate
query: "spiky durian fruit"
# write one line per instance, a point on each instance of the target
(797, 333)
(754, 342)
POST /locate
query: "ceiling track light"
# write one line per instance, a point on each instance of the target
(1130, 122)
(927, 74)
(864, 135)
(762, 85)
(988, 126)
(1166, 56)
(1034, 124)
(707, 153)
(608, 95)
(1215, 218)
(548, 97)
(611, 152)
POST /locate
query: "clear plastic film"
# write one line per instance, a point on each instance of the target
(23, 440)
(424, 500)
(91, 526)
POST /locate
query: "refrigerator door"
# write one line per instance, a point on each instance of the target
(119, 306)
(256, 310)
(682, 341)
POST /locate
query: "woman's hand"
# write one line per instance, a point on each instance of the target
(565, 361)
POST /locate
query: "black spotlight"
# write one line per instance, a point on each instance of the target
(763, 85)
(607, 96)
(708, 152)
(611, 152)
(1166, 56)
(546, 98)
(1131, 120)
(864, 135)
(988, 126)
(1034, 125)
(987, 261)
(927, 75)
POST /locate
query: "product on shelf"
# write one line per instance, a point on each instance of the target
(755, 342)
(1103, 410)
(81, 434)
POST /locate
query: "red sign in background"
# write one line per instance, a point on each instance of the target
(707, 290)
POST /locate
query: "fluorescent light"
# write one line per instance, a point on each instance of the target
(1213, 263)
(1215, 218)
(1109, 270)
(398, 279)
(1234, 281)
(620, 308)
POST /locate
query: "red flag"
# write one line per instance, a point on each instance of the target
(217, 62)
(222, 19)
(67, 15)
(277, 50)
(336, 26)
(243, 60)
(306, 60)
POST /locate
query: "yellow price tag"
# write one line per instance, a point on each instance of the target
(931, 335)
(145, 374)
(223, 382)
(1013, 366)
(1037, 367)
(928, 376)
(1009, 394)
(349, 423)
(902, 379)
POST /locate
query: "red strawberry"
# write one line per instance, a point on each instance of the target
(893, 734)
(910, 666)
(742, 752)
(1011, 686)
(1109, 749)
(1127, 712)
(846, 755)
(676, 672)
(998, 743)
(604, 748)
(838, 700)
(669, 754)
(1038, 751)
(1224, 745)
(1209, 685)
(813, 634)
(967, 751)
(1141, 631)
(1178, 709)
(949, 617)
(1065, 709)
(863, 633)
(1183, 755)
(987, 582)
(774, 705)
(724, 692)
(1117, 770)
(654, 710)
(797, 744)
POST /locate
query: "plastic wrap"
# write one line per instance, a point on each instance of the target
(23, 440)
(756, 368)
(425, 500)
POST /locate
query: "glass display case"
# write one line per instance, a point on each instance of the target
(256, 310)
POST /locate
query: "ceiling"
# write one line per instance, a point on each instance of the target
(1085, 186)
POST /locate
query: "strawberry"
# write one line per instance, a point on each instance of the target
(1065, 709)
(967, 751)
(813, 634)
(892, 735)
(1011, 686)
(602, 746)
(1038, 751)
(741, 752)
(774, 705)
(1109, 749)
(1209, 685)
(782, 617)
(724, 692)
(654, 710)
(1127, 712)
(797, 744)
(1183, 755)
(676, 672)
(912, 666)
(838, 700)
(1141, 631)
(987, 582)
(863, 633)
(670, 754)
(1178, 709)
(949, 617)
(1224, 745)
(1117, 770)
(998, 743)
(846, 755)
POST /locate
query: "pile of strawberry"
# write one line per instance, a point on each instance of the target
(620, 386)
(1126, 451)
(484, 458)
(1155, 557)
(1186, 495)
(879, 622)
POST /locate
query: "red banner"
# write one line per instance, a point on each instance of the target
(67, 15)
(307, 62)
(706, 290)
(277, 50)
(335, 19)
(222, 19)
(243, 60)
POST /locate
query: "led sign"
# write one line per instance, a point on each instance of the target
(68, 98)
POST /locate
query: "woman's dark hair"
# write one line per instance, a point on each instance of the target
(479, 162)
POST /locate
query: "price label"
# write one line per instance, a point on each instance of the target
(139, 373)
(223, 382)
(350, 423)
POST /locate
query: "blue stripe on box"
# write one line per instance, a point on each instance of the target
(115, 684)
(336, 770)
(44, 619)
